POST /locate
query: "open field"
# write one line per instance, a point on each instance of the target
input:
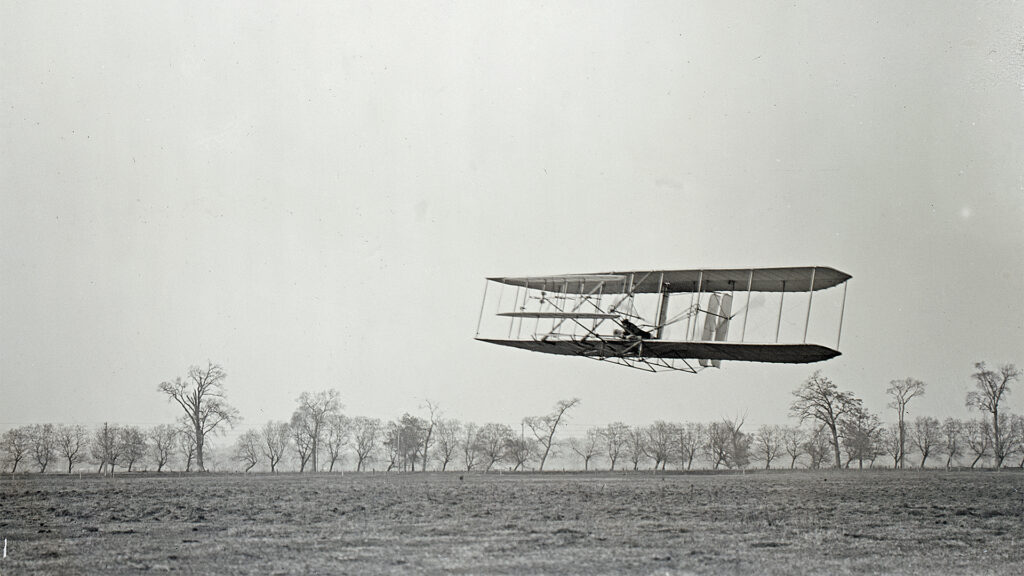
(638, 523)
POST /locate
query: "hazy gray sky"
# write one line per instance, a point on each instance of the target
(312, 195)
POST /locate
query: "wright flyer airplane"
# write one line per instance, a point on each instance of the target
(666, 319)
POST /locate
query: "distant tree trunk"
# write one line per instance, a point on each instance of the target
(835, 444)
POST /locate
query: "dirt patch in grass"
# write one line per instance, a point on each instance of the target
(611, 523)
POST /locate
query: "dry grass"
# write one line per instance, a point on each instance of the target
(783, 523)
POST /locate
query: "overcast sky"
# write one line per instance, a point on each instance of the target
(311, 195)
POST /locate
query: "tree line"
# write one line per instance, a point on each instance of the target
(835, 429)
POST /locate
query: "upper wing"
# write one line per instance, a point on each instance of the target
(722, 280)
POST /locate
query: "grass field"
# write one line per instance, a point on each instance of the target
(607, 523)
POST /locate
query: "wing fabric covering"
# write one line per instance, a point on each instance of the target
(741, 352)
(796, 279)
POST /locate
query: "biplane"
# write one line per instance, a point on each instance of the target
(660, 319)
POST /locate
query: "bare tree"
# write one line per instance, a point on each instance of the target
(106, 446)
(734, 448)
(716, 444)
(890, 443)
(862, 437)
(404, 440)
(274, 440)
(819, 399)
(133, 445)
(71, 442)
(588, 446)
(768, 443)
(926, 436)
(952, 436)
(902, 392)
(470, 444)
(365, 436)
(187, 444)
(493, 441)
(1016, 435)
(614, 436)
(793, 442)
(428, 431)
(310, 419)
(978, 436)
(248, 448)
(44, 444)
(16, 443)
(545, 427)
(201, 395)
(660, 442)
(636, 446)
(519, 450)
(448, 431)
(991, 386)
(302, 439)
(337, 437)
(162, 438)
(689, 438)
(817, 446)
